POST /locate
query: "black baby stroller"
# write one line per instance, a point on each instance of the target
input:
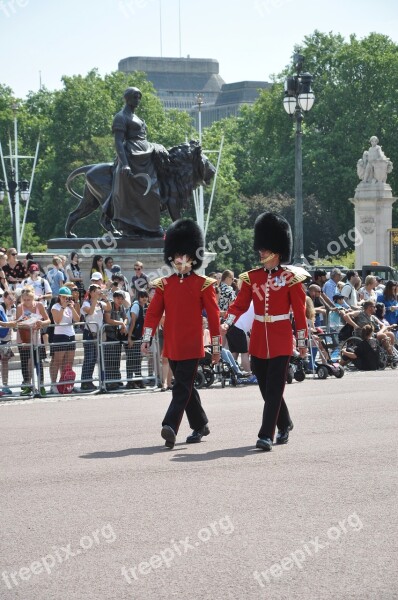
(227, 370)
(325, 345)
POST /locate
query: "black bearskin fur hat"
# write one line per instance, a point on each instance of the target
(184, 236)
(272, 232)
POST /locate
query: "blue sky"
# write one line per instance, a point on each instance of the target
(250, 39)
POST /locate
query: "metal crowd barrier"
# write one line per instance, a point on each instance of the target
(99, 365)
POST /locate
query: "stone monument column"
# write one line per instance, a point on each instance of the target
(373, 202)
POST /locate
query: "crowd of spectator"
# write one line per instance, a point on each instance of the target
(55, 300)
(49, 306)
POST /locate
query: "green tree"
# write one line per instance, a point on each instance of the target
(355, 84)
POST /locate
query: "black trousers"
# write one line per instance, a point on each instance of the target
(271, 377)
(185, 396)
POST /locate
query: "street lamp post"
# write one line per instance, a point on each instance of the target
(298, 98)
(200, 217)
(16, 188)
(12, 188)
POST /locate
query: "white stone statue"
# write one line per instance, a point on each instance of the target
(374, 164)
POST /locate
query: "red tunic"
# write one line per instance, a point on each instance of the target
(183, 304)
(275, 294)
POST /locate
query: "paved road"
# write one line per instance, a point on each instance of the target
(94, 507)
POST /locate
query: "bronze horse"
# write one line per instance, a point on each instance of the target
(182, 170)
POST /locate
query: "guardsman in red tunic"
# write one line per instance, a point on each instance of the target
(276, 291)
(182, 297)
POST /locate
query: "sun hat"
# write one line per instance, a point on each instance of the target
(96, 276)
(64, 291)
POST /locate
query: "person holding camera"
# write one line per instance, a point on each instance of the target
(117, 285)
(116, 333)
(64, 315)
(92, 312)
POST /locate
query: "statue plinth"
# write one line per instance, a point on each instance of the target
(373, 202)
(373, 190)
(373, 218)
(104, 243)
(124, 251)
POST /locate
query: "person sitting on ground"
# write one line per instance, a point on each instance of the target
(367, 316)
(366, 355)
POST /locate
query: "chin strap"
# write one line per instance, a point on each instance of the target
(268, 258)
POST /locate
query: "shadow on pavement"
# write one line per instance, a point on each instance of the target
(214, 454)
(127, 452)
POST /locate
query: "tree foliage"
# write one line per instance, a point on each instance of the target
(355, 84)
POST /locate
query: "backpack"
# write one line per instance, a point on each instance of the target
(67, 375)
(3, 330)
(139, 324)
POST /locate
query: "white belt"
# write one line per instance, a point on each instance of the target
(271, 318)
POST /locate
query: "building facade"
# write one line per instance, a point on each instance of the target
(178, 81)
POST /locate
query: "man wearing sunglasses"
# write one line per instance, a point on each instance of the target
(139, 281)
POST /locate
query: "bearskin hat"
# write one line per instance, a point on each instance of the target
(184, 236)
(272, 232)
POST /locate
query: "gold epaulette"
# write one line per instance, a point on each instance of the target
(159, 283)
(299, 275)
(208, 281)
(245, 277)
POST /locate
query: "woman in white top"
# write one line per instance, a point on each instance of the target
(92, 311)
(367, 292)
(64, 315)
(26, 334)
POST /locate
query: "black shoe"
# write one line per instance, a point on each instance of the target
(88, 387)
(120, 384)
(130, 385)
(282, 437)
(140, 385)
(264, 444)
(111, 387)
(169, 435)
(197, 434)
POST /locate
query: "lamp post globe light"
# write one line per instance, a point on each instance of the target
(298, 98)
